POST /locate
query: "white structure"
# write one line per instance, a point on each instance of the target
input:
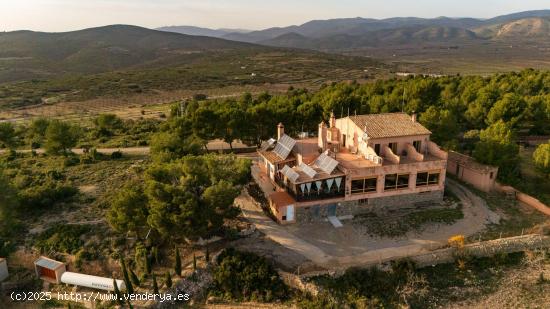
(93, 282)
(3, 269)
(49, 270)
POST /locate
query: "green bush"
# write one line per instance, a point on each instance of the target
(6, 247)
(71, 161)
(46, 195)
(116, 155)
(246, 276)
(62, 238)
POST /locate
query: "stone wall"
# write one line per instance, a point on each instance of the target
(387, 203)
(380, 204)
(439, 256)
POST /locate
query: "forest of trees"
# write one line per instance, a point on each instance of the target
(482, 116)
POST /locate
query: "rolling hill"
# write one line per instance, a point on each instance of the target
(399, 36)
(528, 27)
(122, 60)
(98, 50)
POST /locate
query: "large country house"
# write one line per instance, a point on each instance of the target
(355, 165)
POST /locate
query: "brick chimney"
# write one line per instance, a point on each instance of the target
(280, 131)
(332, 123)
(413, 117)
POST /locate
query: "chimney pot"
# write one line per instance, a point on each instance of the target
(280, 131)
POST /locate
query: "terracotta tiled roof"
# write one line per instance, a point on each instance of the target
(281, 199)
(389, 125)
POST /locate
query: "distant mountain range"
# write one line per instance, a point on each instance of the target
(192, 30)
(349, 33)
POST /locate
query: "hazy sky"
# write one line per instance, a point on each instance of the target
(63, 15)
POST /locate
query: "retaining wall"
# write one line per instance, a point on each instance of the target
(440, 256)
(378, 204)
(524, 198)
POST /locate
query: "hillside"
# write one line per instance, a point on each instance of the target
(117, 61)
(96, 50)
(528, 27)
(191, 30)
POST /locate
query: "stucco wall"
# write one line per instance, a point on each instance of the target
(354, 134)
(480, 179)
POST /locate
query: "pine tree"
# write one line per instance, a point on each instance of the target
(134, 278)
(168, 280)
(129, 287)
(117, 294)
(147, 264)
(177, 267)
(155, 285)
(155, 255)
(194, 263)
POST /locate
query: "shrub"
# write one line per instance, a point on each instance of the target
(116, 155)
(62, 238)
(246, 276)
(456, 241)
(6, 247)
(43, 196)
(71, 161)
(541, 157)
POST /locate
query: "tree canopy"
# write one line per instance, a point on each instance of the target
(60, 137)
(7, 135)
(452, 107)
(190, 197)
(541, 156)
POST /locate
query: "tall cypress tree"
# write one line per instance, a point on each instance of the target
(177, 267)
(155, 285)
(155, 255)
(129, 287)
(147, 264)
(194, 263)
(168, 280)
(117, 294)
(207, 255)
(134, 278)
